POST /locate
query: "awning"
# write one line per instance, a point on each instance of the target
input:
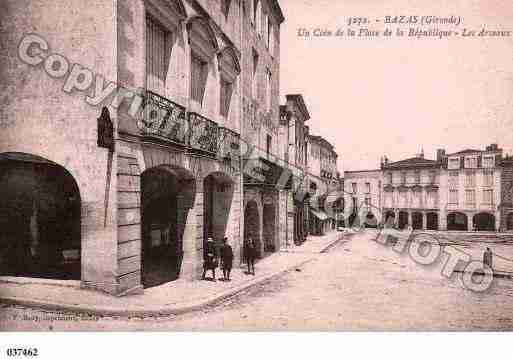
(271, 173)
(321, 215)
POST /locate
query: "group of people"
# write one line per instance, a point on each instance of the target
(212, 256)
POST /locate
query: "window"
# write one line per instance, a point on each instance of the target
(454, 163)
(453, 180)
(367, 201)
(254, 87)
(488, 196)
(367, 187)
(432, 176)
(268, 144)
(354, 187)
(225, 97)
(470, 197)
(417, 176)
(470, 179)
(403, 177)
(390, 177)
(257, 17)
(453, 196)
(488, 178)
(199, 73)
(158, 52)
(470, 162)
(225, 7)
(488, 161)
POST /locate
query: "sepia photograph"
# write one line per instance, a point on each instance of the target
(255, 166)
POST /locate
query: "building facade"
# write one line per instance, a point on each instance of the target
(265, 201)
(141, 110)
(322, 170)
(461, 191)
(363, 198)
(411, 193)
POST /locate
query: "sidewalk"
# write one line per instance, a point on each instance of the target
(175, 297)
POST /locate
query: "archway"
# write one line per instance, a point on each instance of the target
(217, 201)
(432, 221)
(269, 228)
(509, 222)
(416, 220)
(484, 222)
(167, 194)
(457, 221)
(40, 229)
(390, 218)
(252, 224)
(370, 220)
(403, 220)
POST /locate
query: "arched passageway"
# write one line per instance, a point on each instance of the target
(252, 224)
(432, 221)
(416, 220)
(457, 221)
(40, 220)
(269, 228)
(217, 201)
(509, 222)
(390, 219)
(167, 194)
(484, 222)
(370, 220)
(403, 220)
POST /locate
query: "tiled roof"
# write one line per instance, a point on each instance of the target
(412, 162)
(465, 152)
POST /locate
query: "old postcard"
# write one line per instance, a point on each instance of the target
(255, 165)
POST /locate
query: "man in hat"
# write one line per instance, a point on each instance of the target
(209, 258)
(226, 259)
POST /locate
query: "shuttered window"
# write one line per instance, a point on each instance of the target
(158, 42)
(199, 74)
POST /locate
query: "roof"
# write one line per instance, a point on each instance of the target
(300, 102)
(465, 152)
(322, 141)
(412, 162)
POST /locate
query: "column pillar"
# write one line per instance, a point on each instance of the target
(470, 222)
(192, 222)
(424, 221)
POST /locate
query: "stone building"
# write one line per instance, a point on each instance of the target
(471, 192)
(461, 191)
(363, 197)
(265, 200)
(294, 114)
(411, 195)
(322, 170)
(506, 205)
(120, 138)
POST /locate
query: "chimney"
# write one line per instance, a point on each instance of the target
(440, 154)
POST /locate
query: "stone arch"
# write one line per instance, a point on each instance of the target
(417, 220)
(252, 224)
(40, 218)
(432, 221)
(509, 221)
(457, 221)
(199, 28)
(218, 193)
(483, 221)
(167, 195)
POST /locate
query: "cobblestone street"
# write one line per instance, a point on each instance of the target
(357, 285)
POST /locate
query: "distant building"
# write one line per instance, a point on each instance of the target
(363, 197)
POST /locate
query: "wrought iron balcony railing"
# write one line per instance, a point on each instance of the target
(164, 118)
(229, 142)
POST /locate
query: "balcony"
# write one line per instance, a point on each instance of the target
(165, 120)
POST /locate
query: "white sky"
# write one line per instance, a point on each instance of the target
(371, 97)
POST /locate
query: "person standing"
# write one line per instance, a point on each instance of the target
(249, 255)
(226, 259)
(209, 258)
(488, 257)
